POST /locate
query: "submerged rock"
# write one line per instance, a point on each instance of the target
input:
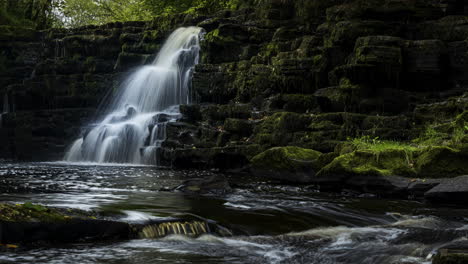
(454, 253)
(290, 164)
(216, 184)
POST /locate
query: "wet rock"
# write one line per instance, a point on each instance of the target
(31, 223)
(425, 63)
(190, 113)
(388, 162)
(239, 127)
(216, 184)
(442, 162)
(454, 190)
(288, 164)
(454, 253)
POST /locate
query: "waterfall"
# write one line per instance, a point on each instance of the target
(134, 127)
(6, 108)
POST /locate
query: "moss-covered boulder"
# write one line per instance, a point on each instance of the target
(239, 127)
(30, 212)
(32, 223)
(441, 161)
(386, 162)
(291, 164)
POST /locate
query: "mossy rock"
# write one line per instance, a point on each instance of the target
(451, 257)
(441, 161)
(389, 162)
(292, 164)
(29, 212)
(284, 122)
(238, 126)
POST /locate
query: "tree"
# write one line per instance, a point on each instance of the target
(74, 13)
(27, 13)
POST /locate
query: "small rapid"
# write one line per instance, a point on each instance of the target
(134, 128)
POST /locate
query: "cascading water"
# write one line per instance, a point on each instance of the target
(134, 129)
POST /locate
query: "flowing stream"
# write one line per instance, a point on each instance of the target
(134, 127)
(270, 223)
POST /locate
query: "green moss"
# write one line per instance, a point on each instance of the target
(442, 161)
(30, 212)
(287, 159)
(450, 133)
(375, 144)
(284, 122)
(451, 258)
(238, 126)
(299, 103)
(372, 162)
(217, 36)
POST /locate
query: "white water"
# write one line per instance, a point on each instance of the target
(134, 128)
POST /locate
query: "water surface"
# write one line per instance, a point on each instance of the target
(271, 223)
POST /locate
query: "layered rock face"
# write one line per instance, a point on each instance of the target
(54, 81)
(309, 74)
(313, 74)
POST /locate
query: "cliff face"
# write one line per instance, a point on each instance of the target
(301, 73)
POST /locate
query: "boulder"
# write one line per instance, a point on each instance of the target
(239, 127)
(368, 162)
(31, 223)
(442, 162)
(453, 253)
(453, 190)
(289, 164)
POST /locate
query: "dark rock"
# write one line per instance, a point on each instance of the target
(30, 223)
(442, 162)
(288, 164)
(425, 63)
(216, 184)
(454, 253)
(63, 232)
(239, 127)
(454, 190)
(190, 113)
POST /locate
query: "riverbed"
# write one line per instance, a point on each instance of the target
(270, 223)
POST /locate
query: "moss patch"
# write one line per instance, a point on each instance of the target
(285, 158)
(29, 212)
(441, 161)
(372, 162)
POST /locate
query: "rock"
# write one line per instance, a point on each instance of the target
(367, 162)
(298, 103)
(442, 162)
(190, 113)
(454, 253)
(31, 223)
(239, 127)
(341, 98)
(425, 63)
(289, 164)
(216, 184)
(345, 33)
(453, 190)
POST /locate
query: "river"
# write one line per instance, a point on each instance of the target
(270, 223)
